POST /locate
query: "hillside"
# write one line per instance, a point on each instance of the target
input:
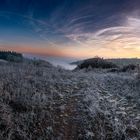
(44, 102)
(117, 61)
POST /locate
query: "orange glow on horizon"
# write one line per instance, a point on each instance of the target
(75, 52)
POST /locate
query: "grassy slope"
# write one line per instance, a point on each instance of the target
(40, 102)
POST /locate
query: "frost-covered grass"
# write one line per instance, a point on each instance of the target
(43, 102)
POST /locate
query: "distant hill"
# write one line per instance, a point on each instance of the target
(117, 61)
(96, 63)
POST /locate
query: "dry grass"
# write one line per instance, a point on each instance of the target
(39, 102)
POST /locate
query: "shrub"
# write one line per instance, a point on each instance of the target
(126, 68)
(138, 76)
(114, 70)
(129, 67)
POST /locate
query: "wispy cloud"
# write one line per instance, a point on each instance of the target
(80, 29)
(125, 37)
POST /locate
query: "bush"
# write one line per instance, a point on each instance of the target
(126, 68)
(129, 67)
(96, 63)
(114, 70)
(138, 76)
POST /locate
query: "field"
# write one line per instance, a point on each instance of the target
(41, 102)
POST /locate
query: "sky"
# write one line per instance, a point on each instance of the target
(71, 28)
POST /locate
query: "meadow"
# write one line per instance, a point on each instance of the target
(41, 102)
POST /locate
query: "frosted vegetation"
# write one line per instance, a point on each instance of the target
(42, 102)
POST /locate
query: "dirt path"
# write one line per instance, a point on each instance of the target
(68, 121)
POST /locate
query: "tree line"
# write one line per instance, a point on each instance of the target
(11, 56)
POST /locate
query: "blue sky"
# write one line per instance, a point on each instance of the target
(71, 28)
